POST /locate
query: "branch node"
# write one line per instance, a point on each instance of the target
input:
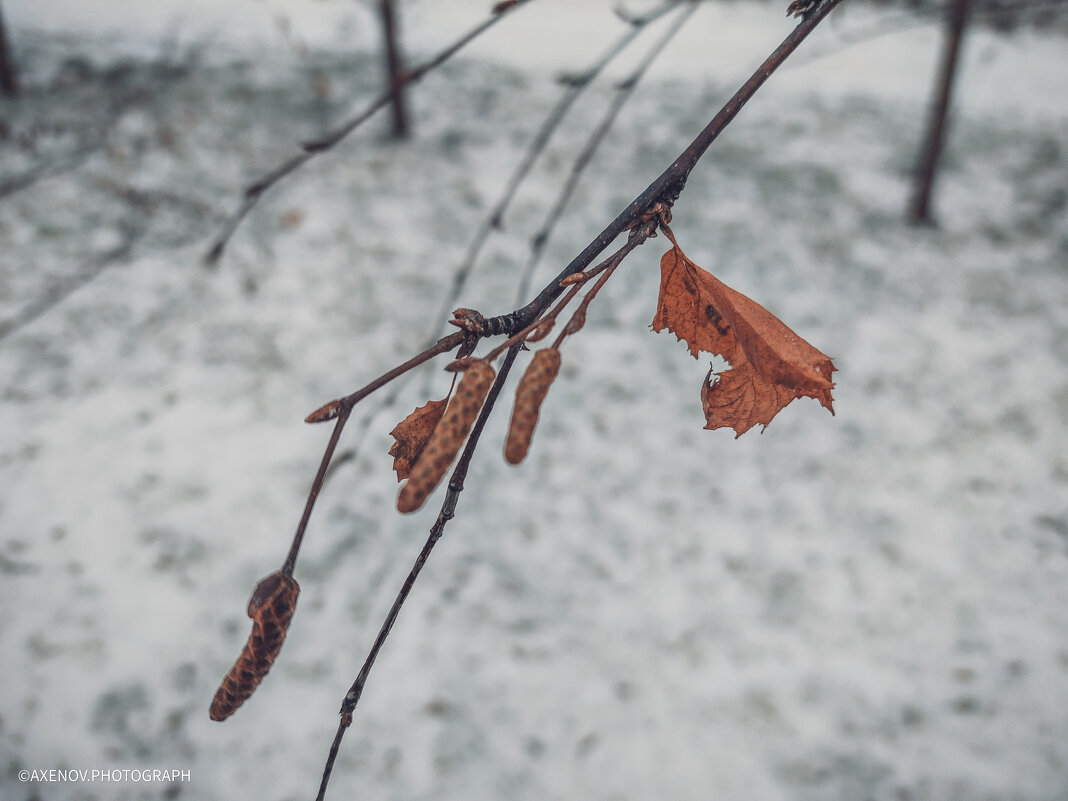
(470, 321)
(802, 8)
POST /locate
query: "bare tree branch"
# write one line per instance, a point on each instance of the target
(310, 149)
(920, 209)
(387, 11)
(641, 217)
(624, 92)
(576, 85)
(132, 231)
(9, 84)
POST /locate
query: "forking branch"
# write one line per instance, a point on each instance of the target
(254, 191)
(640, 220)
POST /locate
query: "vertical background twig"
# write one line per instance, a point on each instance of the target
(9, 84)
(387, 12)
(934, 141)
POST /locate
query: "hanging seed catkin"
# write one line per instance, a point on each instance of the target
(271, 608)
(449, 434)
(528, 397)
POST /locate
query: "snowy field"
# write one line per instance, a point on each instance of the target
(867, 606)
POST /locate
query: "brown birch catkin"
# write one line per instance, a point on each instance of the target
(271, 608)
(528, 397)
(449, 434)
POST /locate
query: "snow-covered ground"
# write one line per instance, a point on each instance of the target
(867, 606)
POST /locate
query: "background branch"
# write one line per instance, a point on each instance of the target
(9, 84)
(341, 409)
(312, 148)
(931, 151)
(387, 12)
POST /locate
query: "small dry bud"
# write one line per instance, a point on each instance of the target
(462, 364)
(574, 278)
(328, 411)
(469, 320)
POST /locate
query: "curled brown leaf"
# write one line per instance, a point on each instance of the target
(412, 434)
(770, 364)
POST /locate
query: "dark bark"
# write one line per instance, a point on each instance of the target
(9, 84)
(394, 67)
(930, 155)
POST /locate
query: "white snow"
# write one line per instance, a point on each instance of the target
(867, 606)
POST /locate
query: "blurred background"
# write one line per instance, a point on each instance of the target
(867, 606)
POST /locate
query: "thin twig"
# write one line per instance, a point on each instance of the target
(314, 147)
(670, 183)
(441, 346)
(575, 87)
(623, 93)
(546, 321)
(9, 84)
(578, 317)
(919, 210)
(132, 232)
(341, 409)
(313, 493)
(447, 512)
(394, 65)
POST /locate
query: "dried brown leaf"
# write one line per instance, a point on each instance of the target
(770, 364)
(412, 434)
